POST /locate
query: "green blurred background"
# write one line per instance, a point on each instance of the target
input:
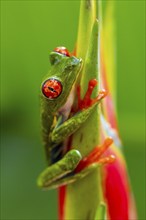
(30, 30)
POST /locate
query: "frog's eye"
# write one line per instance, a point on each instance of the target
(52, 88)
(62, 50)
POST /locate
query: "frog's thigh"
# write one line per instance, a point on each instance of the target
(64, 166)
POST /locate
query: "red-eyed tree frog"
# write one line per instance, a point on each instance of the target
(59, 122)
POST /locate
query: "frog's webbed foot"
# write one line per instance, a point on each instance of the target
(96, 156)
(87, 101)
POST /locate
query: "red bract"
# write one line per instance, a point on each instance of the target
(61, 202)
(117, 190)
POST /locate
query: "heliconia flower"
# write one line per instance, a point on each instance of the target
(117, 190)
(114, 189)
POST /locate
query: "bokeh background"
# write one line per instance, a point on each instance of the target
(29, 31)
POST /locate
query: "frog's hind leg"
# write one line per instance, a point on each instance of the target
(72, 167)
(58, 170)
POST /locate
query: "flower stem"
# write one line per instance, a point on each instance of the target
(83, 197)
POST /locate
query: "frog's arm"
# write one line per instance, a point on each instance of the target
(61, 132)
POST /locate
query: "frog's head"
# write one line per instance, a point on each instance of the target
(57, 85)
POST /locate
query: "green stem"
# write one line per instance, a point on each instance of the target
(107, 44)
(84, 196)
(86, 20)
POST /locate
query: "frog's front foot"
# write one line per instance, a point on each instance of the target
(87, 101)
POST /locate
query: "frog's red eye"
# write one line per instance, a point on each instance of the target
(52, 88)
(62, 50)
